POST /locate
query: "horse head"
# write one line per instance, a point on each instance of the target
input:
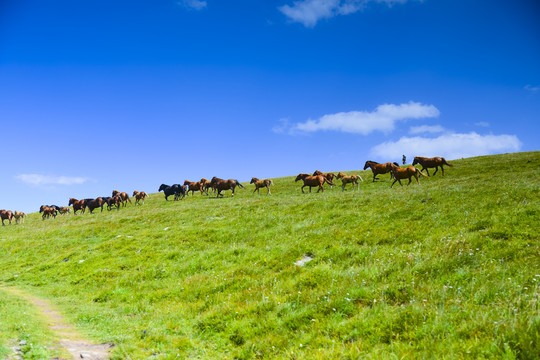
(300, 177)
(416, 161)
(163, 187)
(253, 180)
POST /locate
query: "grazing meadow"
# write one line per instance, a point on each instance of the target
(445, 269)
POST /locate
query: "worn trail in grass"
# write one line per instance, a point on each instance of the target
(68, 339)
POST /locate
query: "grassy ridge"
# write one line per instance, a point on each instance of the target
(445, 269)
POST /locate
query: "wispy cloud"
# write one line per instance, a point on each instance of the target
(282, 127)
(193, 4)
(422, 129)
(309, 12)
(383, 119)
(37, 179)
(482, 124)
(532, 88)
(451, 146)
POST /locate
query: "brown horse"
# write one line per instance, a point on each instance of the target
(328, 176)
(139, 196)
(77, 205)
(222, 185)
(64, 210)
(433, 162)
(346, 179)
(49, 211)
(123, 196)
(194, 186)
(377, 168)
(19, 216)
(311, 181)
(207, 185)
(260, 184)
(406, 173)
(6, 215)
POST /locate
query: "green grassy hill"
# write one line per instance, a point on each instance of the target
(449, 268)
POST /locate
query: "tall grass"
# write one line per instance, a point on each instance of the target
(445, 269)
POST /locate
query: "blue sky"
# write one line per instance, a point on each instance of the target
(103, 95)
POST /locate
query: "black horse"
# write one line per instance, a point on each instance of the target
(177, 190)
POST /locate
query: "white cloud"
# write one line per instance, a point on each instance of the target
(532, 88)
(193, 4)
(36, 179)
(451, 146)
(309, 12)
(362, 122)
(432, 129)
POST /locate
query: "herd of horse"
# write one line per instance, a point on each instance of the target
(217, 186)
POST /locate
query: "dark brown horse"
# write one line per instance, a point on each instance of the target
(114, 201)
(311, 181)
(194, 186)
(139, 196)
(77, 205)
(222, 185)
(123, 196)
(260, 184)
(346, 179)
(377, 168)
(92, 204)
(433, 162)
(6, 215)
(406, 173)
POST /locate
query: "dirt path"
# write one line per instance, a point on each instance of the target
(70, 339)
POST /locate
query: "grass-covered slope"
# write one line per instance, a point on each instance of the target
(446, 269)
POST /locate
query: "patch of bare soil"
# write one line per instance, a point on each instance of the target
(69, 338)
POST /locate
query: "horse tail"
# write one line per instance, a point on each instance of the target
(445, 162)
(238, 184)
(327, 181)
(360, 178)
(421, 173)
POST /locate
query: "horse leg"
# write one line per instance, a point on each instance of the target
(410, 179)
(427, 171)
(303, 189)
(436, 168)
(442, 170)
(268, 193)
(343, 187)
